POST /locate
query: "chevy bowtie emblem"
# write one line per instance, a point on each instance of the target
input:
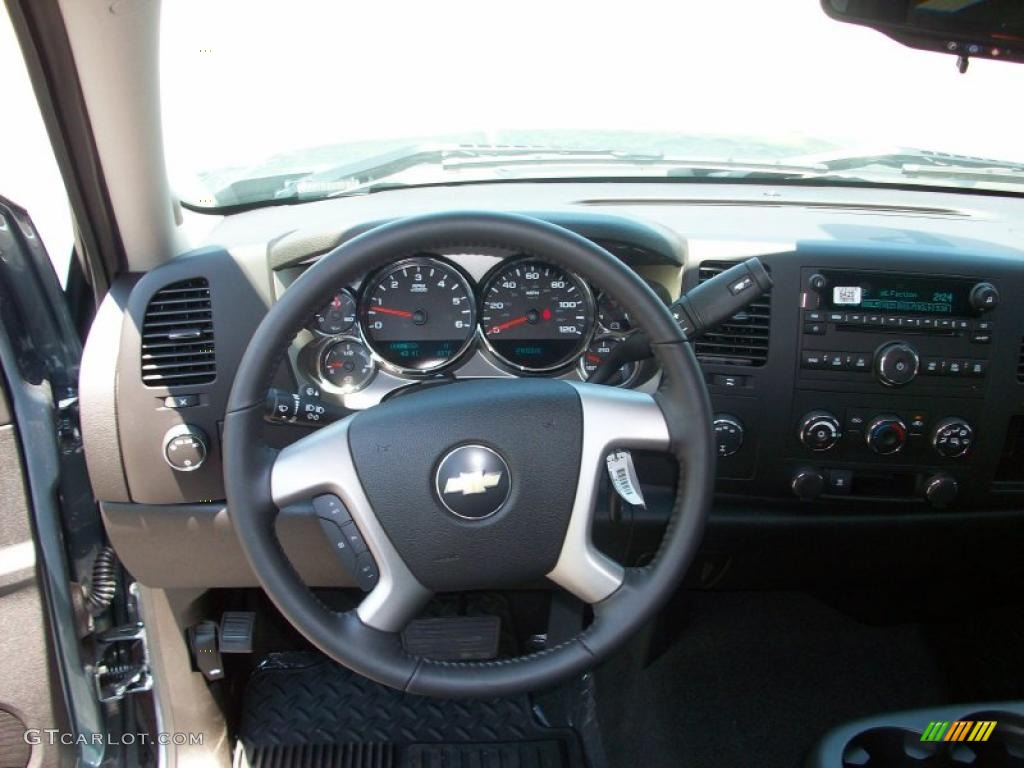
(468, 483)
(472, 482)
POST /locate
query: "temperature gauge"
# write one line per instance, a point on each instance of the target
(612, 316)
(596, 352)
(347, 365)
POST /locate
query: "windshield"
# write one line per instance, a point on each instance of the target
(269, 101)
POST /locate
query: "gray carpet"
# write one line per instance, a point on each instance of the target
(755, 679)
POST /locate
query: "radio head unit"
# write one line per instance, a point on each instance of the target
(898, 294)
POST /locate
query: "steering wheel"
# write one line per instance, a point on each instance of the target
(530, 451)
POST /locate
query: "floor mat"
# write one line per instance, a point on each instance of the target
(302, 710)
(756, 679)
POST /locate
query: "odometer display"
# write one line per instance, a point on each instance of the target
(535, 316)
(418, 315)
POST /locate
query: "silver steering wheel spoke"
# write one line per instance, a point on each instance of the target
(321, 463)
(612, 418)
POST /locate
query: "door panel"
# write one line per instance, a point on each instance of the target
(28, 681)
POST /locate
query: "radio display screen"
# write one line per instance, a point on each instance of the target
(898, 294)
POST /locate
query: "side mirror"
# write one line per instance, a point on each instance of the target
(991, 29)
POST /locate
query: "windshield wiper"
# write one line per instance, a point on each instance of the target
(919, 163)
(502, 161)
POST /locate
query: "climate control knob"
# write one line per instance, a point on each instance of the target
(728, 434)
(952, 437)
(820, 430)
(886, 435)
(896, 364)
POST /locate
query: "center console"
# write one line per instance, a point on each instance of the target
(888, 379)
(894, 365)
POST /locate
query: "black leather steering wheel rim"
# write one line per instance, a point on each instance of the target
(248, 460)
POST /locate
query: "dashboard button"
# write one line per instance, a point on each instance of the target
(839, 481)
(910, 322)
(814, 316)
(981, 337)
(896, 364)
(814, 329)
(835, 360)
(181, 401)
(856, 318)
(952, 367)
(366, 573)
(355, 539)
(813, 360)
(837, 317)
(976, 368)
(931, 366)
(329, 507)
(943, 324)
(927, 323)
(728, 380)
(858, 361)
(917, 421)
(339, 544)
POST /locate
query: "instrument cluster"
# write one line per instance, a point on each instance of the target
(424, 315)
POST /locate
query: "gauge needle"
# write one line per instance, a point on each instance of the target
(509, 324)
(396, 312)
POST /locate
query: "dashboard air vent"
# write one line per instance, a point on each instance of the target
(743, 338)
(177, 336)
(1020, 362)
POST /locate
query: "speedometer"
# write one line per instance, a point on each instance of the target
(418, 315)
(535, 316)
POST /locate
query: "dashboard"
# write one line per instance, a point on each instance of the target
(455, 315)
(883, 375)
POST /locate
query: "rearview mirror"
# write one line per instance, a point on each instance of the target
(992, 29)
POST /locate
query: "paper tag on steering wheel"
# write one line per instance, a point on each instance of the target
(624, 479)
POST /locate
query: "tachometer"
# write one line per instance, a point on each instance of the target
(418, 315)
(535, 316)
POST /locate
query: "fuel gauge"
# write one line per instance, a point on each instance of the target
(596, 352)
(347, 365)
(338, 316)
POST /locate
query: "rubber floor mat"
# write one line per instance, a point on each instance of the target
(300, 709)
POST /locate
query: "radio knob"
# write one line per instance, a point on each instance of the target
(886, 435)
(940, 490)
(820, 430)
(185, 448)
(896, 364)
(728, 434)
(952, 437)
(983, 297)
(808, 483)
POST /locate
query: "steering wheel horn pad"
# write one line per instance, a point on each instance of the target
(535, 426)
(385, 464)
